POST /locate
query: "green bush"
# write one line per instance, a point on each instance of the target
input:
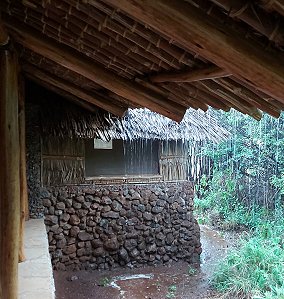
(256, 269)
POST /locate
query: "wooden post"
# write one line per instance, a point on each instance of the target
(24, 205)
(9, 176)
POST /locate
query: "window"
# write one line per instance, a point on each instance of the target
(139, 157)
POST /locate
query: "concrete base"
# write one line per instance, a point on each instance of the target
(35, 274)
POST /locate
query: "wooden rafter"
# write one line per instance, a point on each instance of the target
(248, 96)
(273, 5)
(196, 31)
(90, 97)
(255, 17)
(211, 72)
(80, 64)
(4, 37)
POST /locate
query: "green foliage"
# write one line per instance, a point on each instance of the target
(105, 282)
(246, 190)
(171, 291)
(256, 269)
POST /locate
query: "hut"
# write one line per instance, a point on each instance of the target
(101, 181)
(163, 55)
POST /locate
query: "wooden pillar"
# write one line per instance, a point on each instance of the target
(24, 205)
(9, 175)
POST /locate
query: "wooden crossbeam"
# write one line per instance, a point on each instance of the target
(195, 30)
(211, 72)
(73, 60)
(90, 97)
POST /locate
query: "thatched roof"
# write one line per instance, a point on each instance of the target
(60, 118)
(142, 123)
(163, 55)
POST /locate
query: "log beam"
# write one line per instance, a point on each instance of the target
(211, 72)
(198, 32)
(89, 97)
(9, 176)
(73, 60)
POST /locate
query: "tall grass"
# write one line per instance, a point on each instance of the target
(256, 269)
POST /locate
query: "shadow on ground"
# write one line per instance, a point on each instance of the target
(180, 280)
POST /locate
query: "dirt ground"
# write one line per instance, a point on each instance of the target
(179, 281)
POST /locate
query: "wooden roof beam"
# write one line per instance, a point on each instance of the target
(73, 60)
(275, 5)
(235, 100)
(255, 17)
(209, 72)
(248, 96)
(93, 98)
(195, 30)
(4, 37)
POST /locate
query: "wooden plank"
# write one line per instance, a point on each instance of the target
(195, 30)
(9, 176)
(90, 97)
(73, 60)
(23, 169)
(211, 72)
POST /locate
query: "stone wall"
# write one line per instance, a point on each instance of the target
(33, 145)
(100, 227)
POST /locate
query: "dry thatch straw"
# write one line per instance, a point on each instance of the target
(71, 121)
(142, 123)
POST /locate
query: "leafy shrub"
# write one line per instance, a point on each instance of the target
(256, 269)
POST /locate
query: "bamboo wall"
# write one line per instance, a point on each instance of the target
(63, 161)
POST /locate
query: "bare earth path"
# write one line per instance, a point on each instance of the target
(162, 282)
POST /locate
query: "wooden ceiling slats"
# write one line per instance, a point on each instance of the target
(248, 96)
(229, 96)
(173, 53)
(181, 55)
(105, 24)
(252, 15)
(71, 59)
(275, 5)
(197, 31)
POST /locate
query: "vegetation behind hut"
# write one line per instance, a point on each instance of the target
(245, 191)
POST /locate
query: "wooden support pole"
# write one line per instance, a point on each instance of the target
(73, 60)
(24, 205)
(211, 72)
(9, 176)
(198, 32)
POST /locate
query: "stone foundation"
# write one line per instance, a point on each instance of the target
(100, 227)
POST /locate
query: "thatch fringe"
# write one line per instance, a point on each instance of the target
(71, 121)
